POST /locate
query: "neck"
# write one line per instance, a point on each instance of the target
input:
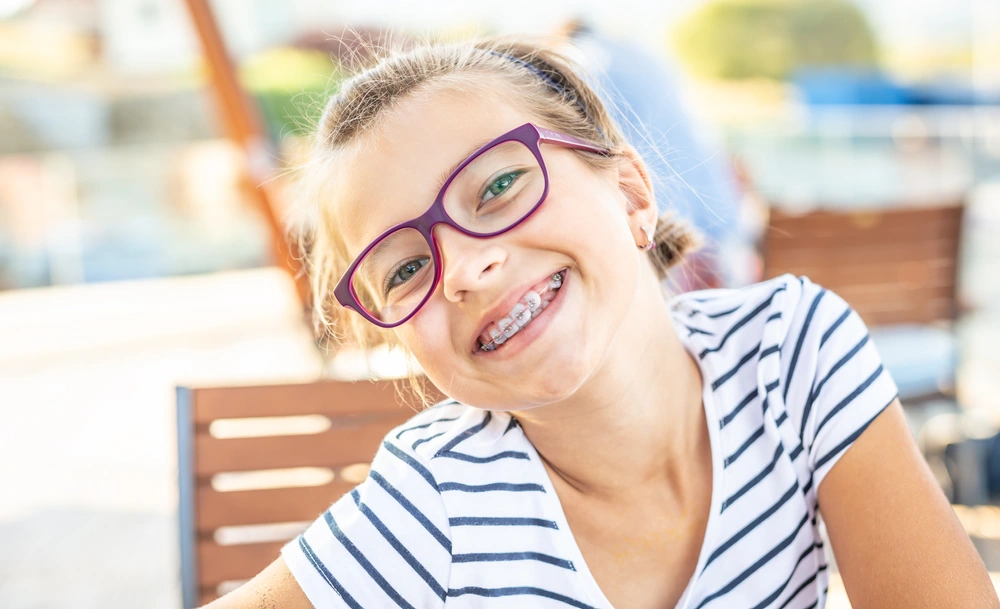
(638, 420)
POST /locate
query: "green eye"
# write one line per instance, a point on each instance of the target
(499, 186)
(404, 272)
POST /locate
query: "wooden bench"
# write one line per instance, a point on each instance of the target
(258, 464)
(893, 266)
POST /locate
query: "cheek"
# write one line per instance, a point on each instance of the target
(427, 337)
(590, 217)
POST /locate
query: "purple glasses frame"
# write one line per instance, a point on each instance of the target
(532, 136)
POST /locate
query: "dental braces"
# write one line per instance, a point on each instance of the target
(554, 284)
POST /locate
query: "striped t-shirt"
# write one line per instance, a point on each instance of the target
(458, 510)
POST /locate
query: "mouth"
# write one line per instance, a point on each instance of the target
(529, 306)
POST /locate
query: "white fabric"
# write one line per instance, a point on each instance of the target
(459, 511)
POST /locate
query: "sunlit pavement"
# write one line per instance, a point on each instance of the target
(87, 448)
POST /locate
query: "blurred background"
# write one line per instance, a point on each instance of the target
(143, 145)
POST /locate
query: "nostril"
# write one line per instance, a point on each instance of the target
(492, 267)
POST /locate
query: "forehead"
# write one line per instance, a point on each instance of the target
(390, 174)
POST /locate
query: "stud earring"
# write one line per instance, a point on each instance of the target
(649, 239)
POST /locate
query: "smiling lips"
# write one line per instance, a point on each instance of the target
(527, 308)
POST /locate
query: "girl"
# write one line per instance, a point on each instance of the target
(605, 446)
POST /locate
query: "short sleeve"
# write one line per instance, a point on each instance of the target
(836, 384)
(386, 543)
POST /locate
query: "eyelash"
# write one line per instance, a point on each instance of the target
(387, 287)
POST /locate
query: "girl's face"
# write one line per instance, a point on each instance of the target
(585, 231)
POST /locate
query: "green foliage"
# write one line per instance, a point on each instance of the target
(735, 39)
(291, 87)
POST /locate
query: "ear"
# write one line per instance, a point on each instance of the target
(635, 183)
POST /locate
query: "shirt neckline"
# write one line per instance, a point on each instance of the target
(567, 541)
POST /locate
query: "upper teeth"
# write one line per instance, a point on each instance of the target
(521, 314)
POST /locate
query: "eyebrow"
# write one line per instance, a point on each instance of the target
(444, 178)
(373, 282)
(377, 252)
(447, 174)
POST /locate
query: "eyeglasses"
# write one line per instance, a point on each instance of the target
(497, 188)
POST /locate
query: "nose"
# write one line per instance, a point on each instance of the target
(469, 263)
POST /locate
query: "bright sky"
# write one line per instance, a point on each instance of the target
(899, 21)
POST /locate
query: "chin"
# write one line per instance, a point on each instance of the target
(555, 381)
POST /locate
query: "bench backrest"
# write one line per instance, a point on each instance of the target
(257, 464)
(896, 265)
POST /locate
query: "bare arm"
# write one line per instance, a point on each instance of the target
(897, 541)
(272, 588)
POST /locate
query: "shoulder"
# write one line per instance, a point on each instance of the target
(404, 459)
(390, 537)
(789, 301)
(446, 442)
(431, 427)
(728, 321)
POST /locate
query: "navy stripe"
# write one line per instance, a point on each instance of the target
(809, 485)
(774, 595)
(425, 425)
(330, 579)
(840, 364)
(487, 521)
(364, 562)
(781, 419)
(801, 587)
(850, 397)
(705, 299)
(746, 319)
(513, 423)
(722, 313)
(753, 525)
(726, 420)
(767, 394)
(412, 509)
(769, 351)
(739, 451)
(756, 479)
(836, 324)
(398, 546)
(509, 556)
(693, 331)
(465, 434)
(713, 315)
(817, 388)
(756, 566)
(413, 463)
(725, 377)
(851, 438)
(427, 439)
(519, 591)
(801, 339)
(507, 454)
(495, 486)
(795, 452)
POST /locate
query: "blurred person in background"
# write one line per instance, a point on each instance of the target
(476, 205)
(693, 174)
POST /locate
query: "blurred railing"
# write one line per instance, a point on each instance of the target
(867, 156)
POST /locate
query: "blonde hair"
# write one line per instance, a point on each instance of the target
(546, 82)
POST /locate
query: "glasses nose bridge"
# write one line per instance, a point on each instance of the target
(437, 217)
